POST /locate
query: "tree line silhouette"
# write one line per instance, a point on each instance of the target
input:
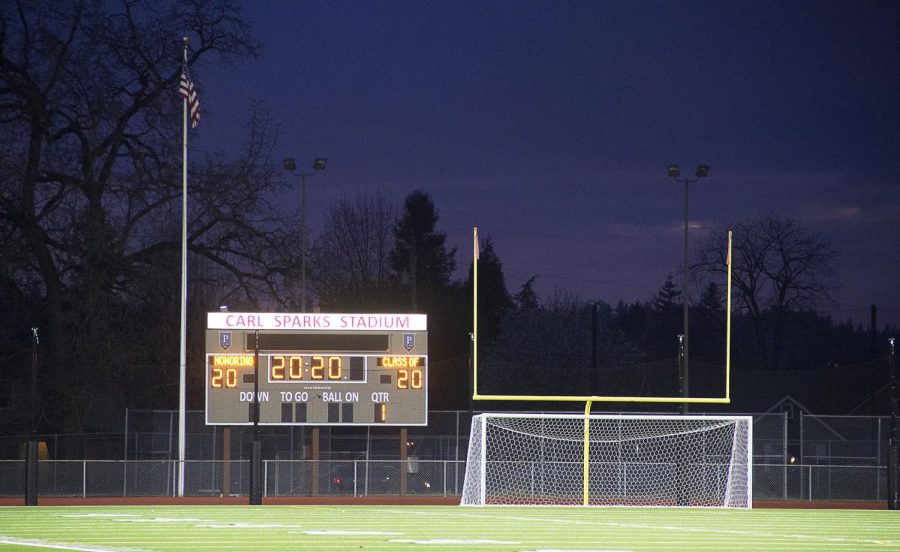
(90, 196)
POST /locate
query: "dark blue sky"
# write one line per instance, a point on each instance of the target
(549, 125)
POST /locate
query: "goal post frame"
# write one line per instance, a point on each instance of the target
(599, 398)
(482, 421)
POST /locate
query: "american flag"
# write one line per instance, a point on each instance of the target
(475, 238)
(186, 90)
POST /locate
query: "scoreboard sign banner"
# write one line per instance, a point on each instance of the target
(317, 368)
(314, 321)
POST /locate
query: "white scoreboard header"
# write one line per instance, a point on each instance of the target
(315, 321)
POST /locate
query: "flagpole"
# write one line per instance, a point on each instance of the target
(182, 359)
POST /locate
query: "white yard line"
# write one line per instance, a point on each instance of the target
(677, 529)
(40, 544)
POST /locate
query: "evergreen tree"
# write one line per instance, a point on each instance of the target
(494, 301)
(665, 321)
(711, 300)
(421, 260)
(708, 327)
(668, 298)
(527, 299)
(419, 251)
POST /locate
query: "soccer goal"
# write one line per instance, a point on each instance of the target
(609, 460)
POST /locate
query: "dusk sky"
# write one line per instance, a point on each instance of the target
(549, 125)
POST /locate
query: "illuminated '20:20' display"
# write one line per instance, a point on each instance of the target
(316, 367)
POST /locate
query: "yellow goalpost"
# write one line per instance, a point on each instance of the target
(590, 399)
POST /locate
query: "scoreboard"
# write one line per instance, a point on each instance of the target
(316, 368)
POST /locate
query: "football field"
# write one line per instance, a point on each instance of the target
(407, 528)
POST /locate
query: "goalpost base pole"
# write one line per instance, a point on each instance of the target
(586, 460)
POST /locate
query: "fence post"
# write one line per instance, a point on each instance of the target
(893, 494)
(784, 454)
(809, 483)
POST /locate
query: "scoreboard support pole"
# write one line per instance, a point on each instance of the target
(256, 452)
(404, 460)
(226, 461)
(256, 474)
(315, 461)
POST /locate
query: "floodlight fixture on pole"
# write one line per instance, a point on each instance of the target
(674, 172)
(290, 165)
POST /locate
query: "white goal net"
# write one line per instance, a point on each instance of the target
(541, 459)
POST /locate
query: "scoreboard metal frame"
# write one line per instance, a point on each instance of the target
(317, 369)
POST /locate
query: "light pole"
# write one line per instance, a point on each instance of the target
(675, 173)
(290, 165)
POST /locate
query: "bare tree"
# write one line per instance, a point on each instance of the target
(90, 163)
(779, 267)
(350, 260)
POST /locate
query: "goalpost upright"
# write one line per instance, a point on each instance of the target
(590, 399)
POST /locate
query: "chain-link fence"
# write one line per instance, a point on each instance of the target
(359, 478)
(796, 456)
(140, 478)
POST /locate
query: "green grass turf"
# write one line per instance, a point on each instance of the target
(403, 528)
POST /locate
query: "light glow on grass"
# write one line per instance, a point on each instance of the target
(417, 528)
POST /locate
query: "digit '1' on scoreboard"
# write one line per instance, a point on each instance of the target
(317, 368)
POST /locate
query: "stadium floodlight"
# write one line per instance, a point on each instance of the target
(684, 365)
(290, 165)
